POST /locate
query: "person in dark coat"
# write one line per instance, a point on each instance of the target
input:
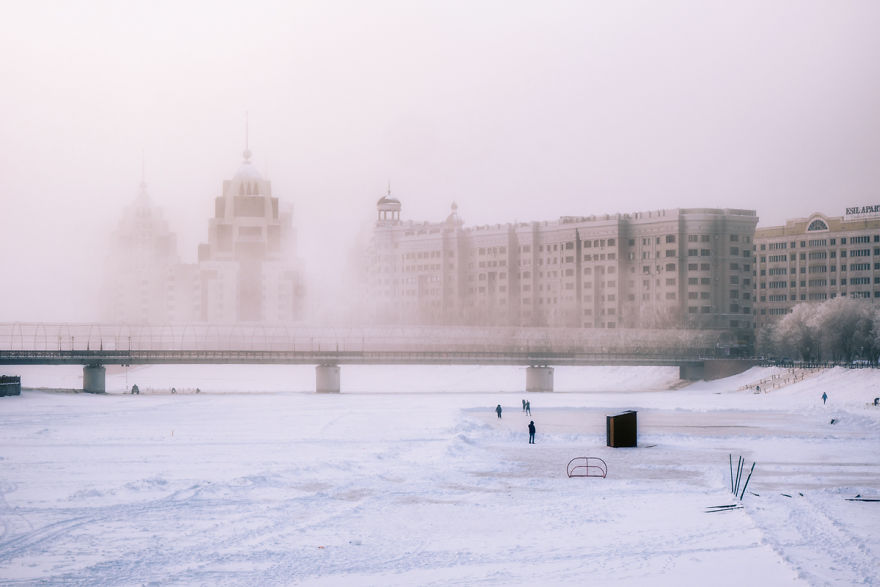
(529, 408)
(498, 411)
(532, 432)
(524, 405)
(824, 397)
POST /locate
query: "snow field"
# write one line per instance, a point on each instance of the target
(431, 488)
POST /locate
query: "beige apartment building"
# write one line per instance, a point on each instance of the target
(815, 259)
(678, 268)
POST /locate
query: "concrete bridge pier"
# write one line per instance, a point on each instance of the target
(327, 378)
(93, 379)
(539, 378)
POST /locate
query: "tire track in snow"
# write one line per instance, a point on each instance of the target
(795, 526)
(39, 539)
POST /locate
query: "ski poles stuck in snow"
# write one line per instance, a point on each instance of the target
(734, 483)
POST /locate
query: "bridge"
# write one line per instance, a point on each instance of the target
(698, 354)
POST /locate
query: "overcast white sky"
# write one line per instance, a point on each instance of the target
(515, 110)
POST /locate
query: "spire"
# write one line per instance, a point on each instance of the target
(247, 150)
(389, 188)
(143, 186)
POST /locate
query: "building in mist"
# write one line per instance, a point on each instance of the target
(145, 281)
(679, 268)
(815, 259)
(248, 269)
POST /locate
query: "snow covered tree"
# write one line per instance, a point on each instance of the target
(797, 335)
(846, 328)
(841, 329)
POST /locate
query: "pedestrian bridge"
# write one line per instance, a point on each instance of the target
(539, 349)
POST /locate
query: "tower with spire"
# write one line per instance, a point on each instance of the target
(145, 282)
(248, 267)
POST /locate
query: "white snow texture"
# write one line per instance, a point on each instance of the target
(409, 478)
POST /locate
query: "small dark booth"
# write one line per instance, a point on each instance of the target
(621, 430)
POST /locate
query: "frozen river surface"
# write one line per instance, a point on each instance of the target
(431, 488)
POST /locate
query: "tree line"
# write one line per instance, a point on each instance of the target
(839, 330)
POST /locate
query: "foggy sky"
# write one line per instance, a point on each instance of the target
(515, 110)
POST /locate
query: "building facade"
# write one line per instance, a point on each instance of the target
(680, 268)
(248, 270)
(145, 281)
(815, 259)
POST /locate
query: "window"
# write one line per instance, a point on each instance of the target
(817, 225)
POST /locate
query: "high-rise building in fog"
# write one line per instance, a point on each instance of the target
(682, 268)
(246, 272)
(145, 282)
(816, 259)
(248, 268)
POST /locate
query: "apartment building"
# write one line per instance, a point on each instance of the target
(817, 258)
(678, 268)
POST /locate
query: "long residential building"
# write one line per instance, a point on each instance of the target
(817, 258)
(677, 268)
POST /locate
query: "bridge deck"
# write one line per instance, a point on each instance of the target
(317, 357)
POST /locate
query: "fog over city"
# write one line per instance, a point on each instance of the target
(515, 111)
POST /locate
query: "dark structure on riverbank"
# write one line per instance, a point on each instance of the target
(10, 385)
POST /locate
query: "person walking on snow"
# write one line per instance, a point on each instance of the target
(824, 398)
(498, 411)
(524, 405)
(529, 408)
(532, 432)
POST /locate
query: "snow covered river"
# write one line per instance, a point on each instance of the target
(429, 487)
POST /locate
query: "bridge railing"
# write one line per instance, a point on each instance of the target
(289, 338)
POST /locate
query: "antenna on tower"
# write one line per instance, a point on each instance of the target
(389, 187)
(247, 150)
(143, 172)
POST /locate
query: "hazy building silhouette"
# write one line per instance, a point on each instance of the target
(145, 283)
(246, 272)
(679, 268)
(248, 268)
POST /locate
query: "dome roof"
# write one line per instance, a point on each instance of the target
(387, 200)
(247, 169)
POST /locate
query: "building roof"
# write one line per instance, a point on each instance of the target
(247, 169)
